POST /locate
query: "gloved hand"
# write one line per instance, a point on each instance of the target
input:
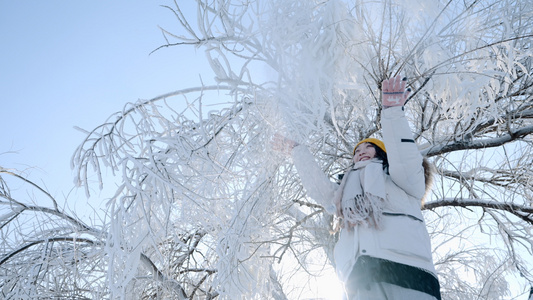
(283, 144)
(393, 92)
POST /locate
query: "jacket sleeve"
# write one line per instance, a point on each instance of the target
(405, 160)
(315, 182)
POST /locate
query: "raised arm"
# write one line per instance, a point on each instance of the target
(405, 160)
(315, 182)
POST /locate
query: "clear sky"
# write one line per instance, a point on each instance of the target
(74, 63)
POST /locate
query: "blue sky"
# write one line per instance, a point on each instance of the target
(74, 63)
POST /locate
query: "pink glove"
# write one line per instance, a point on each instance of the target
(283, 144)
(393, 92)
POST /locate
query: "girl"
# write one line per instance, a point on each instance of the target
(384, 250)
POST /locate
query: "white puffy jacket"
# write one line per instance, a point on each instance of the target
(404, 237)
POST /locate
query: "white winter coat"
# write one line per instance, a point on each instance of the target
(404, 237)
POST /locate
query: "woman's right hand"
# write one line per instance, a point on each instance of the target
(283, 144)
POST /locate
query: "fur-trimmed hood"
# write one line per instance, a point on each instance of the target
(429, 170)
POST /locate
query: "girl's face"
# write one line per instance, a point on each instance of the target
(365, 151)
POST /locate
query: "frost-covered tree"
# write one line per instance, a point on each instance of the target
(206, 209)
(46, 252)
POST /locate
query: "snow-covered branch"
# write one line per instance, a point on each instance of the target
(514, 135)
(525, 212)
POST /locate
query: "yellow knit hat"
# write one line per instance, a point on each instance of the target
(374, 141)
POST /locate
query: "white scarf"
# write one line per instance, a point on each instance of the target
(364, 203)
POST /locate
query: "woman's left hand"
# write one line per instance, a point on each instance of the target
(393, 92)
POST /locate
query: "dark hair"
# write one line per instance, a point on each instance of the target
(381, 155)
